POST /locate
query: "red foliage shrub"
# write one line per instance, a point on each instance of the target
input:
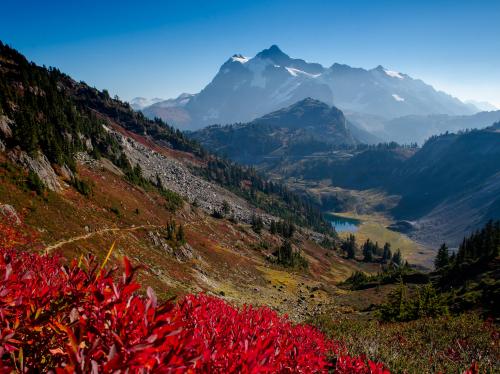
(76, 319)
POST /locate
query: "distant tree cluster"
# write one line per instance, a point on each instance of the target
(288, 257)
(424, 302)
(283, 228)
(175, 233)
(371, 251)
(482, 246)
(349, 246)
(471, 273)
(257, 223)
(272, 197)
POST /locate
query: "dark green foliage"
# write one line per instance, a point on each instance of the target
(442, 257)
(226, 208)
(217, 214)
(257, 224)
(367, 254)
(387, 254)
(370, 250)
(134, 176)
(34, 183)
(81, 186)
(270, 196)
(474, 254)
(180, 237)
(424, 302)
(272, 229)
(174, 201)
(390, 274)
(482, 245)
(472, 277)
(328, 243)
(284, 228)
(170, 230)
(175, 234)
(357, 280)
(286, 256)
(115, 210)
(349, 246)
(397, 259)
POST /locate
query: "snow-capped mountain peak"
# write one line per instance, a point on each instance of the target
(246, 88)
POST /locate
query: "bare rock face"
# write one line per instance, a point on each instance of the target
(66, 173)
(9, 212)
(5, 127)
(40, 166)
(2, 146)
(184, 252)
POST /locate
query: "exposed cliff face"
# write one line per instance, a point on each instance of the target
(39, 165)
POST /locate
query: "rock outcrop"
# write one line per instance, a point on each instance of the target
(40, 165)
(9, 212)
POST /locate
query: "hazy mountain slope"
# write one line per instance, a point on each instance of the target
(247, 88)
(482, 105)
(410, 129)
(362, 135)
(448, 167)
(303, 128)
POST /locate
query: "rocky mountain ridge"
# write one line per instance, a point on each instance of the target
(247, 88)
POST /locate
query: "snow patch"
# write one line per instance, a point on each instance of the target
(397, 97)
(296, 72)
(239, 58)
(394, 74)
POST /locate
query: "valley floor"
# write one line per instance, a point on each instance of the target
(375, 228)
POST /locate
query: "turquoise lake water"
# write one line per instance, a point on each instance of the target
(343, 224)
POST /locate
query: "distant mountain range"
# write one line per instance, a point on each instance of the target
(300, 129)
(138, 103)
(418, 128)
(247, 88)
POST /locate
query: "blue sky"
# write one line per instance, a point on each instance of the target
(162, 48)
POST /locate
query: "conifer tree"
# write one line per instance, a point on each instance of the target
(272, 229)
(397, 259)
(349, 246)
(180, 234)
(367, 251)
(442, 257)
(386, 256)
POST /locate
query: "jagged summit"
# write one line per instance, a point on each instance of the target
(275, 54)
(246, 88)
